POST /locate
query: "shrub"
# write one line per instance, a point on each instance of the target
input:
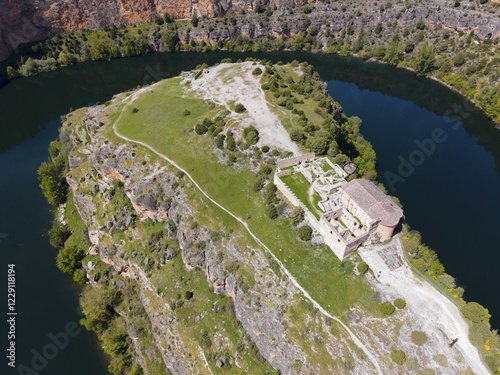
(219, 141)
(230, 142)
(305, 233)
(257, 71)
(265, 170)
(186, 112)
(271, 211)
(265, 148)
(419, 337)
(475, 312)
(188, 295)
(400, 303)
(398, 356)
(387, 308)
(251, 135)
(69, 259)
(52, 181)
(200, 128)
(135, 110)
(259, 184)
(362, 267)
(239, 108)
(205, 339)
(58, 235)
(447, 280)
(297, 215)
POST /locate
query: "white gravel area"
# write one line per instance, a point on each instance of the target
(436, 314)
(224, 83)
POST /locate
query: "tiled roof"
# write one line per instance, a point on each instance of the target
(373, 201)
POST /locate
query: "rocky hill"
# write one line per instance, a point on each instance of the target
(29, 20)
(191, 261)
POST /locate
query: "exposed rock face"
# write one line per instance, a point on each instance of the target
(261, 309)
(30, 20)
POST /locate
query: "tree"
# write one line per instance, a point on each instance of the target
(297, 135)
(52, 182)
(362, 267)
(239, 108)
(447, 280)
(200, 128)
(257, 71)
(11, 72)
(135, 46)
(305, 233)
(319, 146)
(419, 337)
(387, 308)
(379, 52)
(100, 48)
(219, 141)
(64, 59)
(459, 59)
(345, 50)
(424, 59)
(69, 259)
(58, 234)
(475, 312)
(398, 356)
(251, 135)
(394, 53)
(194, 21)
(297, 215)
(97, 305)
(170, 40)
(230, 142)
(271, 211)
(400, 303)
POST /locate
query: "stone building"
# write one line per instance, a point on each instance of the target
(371, 206)
(351, 213)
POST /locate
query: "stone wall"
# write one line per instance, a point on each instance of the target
(290, 162)
(288, 172)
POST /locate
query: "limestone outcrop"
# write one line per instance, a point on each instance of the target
(28, 20)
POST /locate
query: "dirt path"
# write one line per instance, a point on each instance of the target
(436, 313)
(223, 84)
(129, 100)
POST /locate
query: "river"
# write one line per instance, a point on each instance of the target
(450, 195)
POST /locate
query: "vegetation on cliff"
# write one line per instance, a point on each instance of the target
(145, 240)
(411, 36)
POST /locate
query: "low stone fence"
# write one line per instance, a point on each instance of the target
(285, 163)
(288, 172)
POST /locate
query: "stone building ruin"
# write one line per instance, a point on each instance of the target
(349, 214)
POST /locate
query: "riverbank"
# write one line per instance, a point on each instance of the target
(376, 86)
(297, 259)
(458, 56)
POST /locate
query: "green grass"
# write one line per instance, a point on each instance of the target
(160, 123)
(300, 186)
(173, 280)
(326, 167)
(288, 119)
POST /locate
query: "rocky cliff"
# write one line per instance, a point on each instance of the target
(185, 288)
(31, 20)
(261, 320)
